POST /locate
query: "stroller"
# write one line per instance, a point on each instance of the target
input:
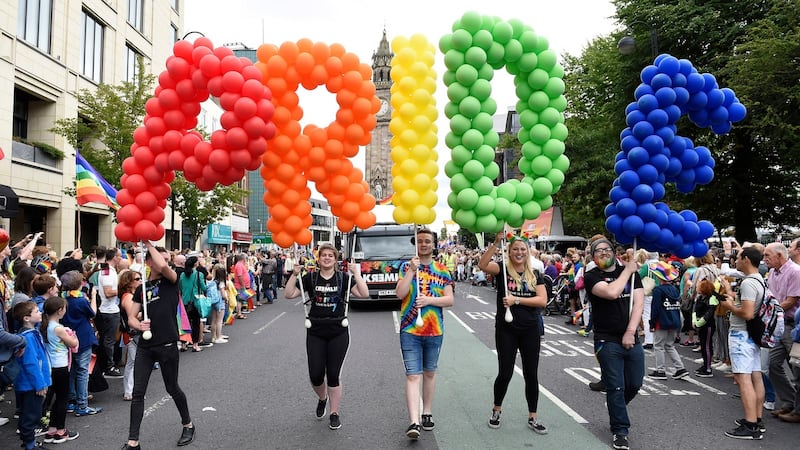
(558, 295)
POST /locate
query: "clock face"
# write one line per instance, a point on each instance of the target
(384, 107)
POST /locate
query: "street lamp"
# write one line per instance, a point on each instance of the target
(627, 45)
(191, 32)
(260, 229)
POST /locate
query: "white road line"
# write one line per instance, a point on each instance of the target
(396, 322)
(704, 386)
(477, 299)
(576, 348)
(557, 329)
(461, 322)
(269, 323)
(157, 405)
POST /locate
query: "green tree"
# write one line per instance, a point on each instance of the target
(199, 209)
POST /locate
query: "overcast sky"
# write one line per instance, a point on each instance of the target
(358, 25)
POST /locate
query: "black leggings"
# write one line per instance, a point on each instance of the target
(167, 356)
(60, 390)
(326, 353)
(528, 343)
(706, 333)
(194, 320)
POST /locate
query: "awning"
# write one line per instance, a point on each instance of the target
(9, 202)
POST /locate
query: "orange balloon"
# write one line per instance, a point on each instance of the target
(365, 220)
(344, 224)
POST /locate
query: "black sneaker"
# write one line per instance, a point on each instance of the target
(658, 375)
(598, 386)
(322, 408)
(494, 421)
(620, 442)
(335, 422)
(112, 373)
(128, 447)
(703, 373)
(536, 426)
(680, 374)
(745, 432)
(187, 436)
(759, 424)
(413, 431)
(427, 422)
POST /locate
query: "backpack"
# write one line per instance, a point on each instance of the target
(767, 326)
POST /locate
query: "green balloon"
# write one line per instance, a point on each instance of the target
(482, 39)
(459, 124)
(484, 154)
(523, 135)
(450, 169)
(491, 138)
(470, 107)
(486, 72)
(489, 106)
(471, 21)
(518, 27)
(512, 68)
(460, 155)
(502, 32)
(475, 56)
(501, 208)
(561, 163)
(554, 87)
(486, 224)
(457, 92)
(541, 44)
(492, 170)
(531, 210)
(450, 109)
(483, 122)
(540, 134)
(559, 131)
(559, 103)
(472, 139)
(547, 59)
(484, 186)
(449, 77)
(550, 116)
(524, 193)
(514, 182)
(488, 22)
(465, 218)
(552, 149)
(521, 106)
(556, 177)
(495, 55)
(528, 118)
(538, 101)
(557, 71)
(467, 199)
(531, 150)
(482, 90)
(546, 203)
(515, 218)
(527, 63)
(485, 205)
(523, 90)
(529, 41)
(538, 79)
(541, 165)
(513, 51)
(452, 200)
(500, 227)
(542, 187)
(453, 59)
(524, 166)
(506, 191)
(462, 40)
(445, 43)
(466, 75)
(459, 182)
(473, 170)
(451, 139)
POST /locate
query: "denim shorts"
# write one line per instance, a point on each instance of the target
(745, 354)
(420, 353)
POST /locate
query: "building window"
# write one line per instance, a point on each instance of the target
(92, 47)
(174, 4)
(135, 13)
(174, 32)
(34, 18)
(19, 127)
(132, 58)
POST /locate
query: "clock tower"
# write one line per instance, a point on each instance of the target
(377, 170)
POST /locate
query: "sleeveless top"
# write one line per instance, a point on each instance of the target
(56, 348)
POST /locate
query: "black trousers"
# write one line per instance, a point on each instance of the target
(326, 353)
(528, 343)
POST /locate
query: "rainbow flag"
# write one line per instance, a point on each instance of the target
(386, 201)
(91, 186)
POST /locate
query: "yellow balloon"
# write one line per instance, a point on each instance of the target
(399, 154)
(400, 184)
(401, 215)
(409, 198)
(399, 43)
(409, 168)
(429, 198)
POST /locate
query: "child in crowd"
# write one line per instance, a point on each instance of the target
(44, 286)
(34, 374)
(59, 341)
(703, 320)
(665, 320)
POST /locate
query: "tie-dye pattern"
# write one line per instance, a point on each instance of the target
(433, 279)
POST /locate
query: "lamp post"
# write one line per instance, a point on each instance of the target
(191, 32)
(627, 45)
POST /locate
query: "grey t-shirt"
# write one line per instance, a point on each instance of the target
(751, 289)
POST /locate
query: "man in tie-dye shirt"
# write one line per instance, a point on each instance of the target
(425, 287)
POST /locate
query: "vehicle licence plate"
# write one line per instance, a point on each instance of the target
(387, 293)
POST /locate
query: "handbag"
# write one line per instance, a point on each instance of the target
(201, 302)
(8, 372)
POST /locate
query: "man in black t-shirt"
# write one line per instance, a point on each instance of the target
(615, 317)
(161, 293)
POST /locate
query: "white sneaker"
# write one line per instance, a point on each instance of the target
(220, 341)
(717, 364)
(698, 360)
(723, 368)
(769, 406)
(3, 421)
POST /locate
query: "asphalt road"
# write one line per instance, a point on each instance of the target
(253, 393)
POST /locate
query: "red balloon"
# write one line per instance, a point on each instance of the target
(232, 81)
(245, 107)
(185, 90)
(124, 232)
(198, 53)
(209, 66)
(146, 201)
(144, 230)
(153, 175)
(124, 197)
(219, 160)
(155, 215)
(229, 120)
(230, 63)
(155, 126)
(183, 49)
(129, 214)
(174, 119)
(130, 165)
(188, 142)
(163, 190)
(153, 107)
(168, 99)
(161, 162)
(236, 138)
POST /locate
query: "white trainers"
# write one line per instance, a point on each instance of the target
(723, 368)
(698, 360)
(769, 406)
(220, 341)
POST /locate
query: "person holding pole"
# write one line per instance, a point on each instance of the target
(615, 315)
(520, 294)
(159, 300)
(425, 287)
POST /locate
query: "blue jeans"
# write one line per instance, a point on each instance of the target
(30, 414)
(79, 378)
(420, 353)
(622, 372)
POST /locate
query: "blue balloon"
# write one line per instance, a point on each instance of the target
(647, 103)
(684, 188)
(614, 224)
(686, 67)
(617, 193)
(632, 106)
(647, 211)
(669, 65)
(677, 146)
(666, 134)
(699, 249)
(703, 174)
(689, 158)
(697, 101)
(647, 174)
(710, 82)
(661, 81)
(632, 225)
(653, 143)
(651, 232)
(659, 118)
(620, 156)
(736, 112)
(706, 229)
(660, 58)
(658, 190)
(678, 80)
(703, 154)
(638, 156)
(621, 166)
(686, 176)
(661, 206)
(677, 241)
(623, 238)
(684, 251)
(673, 113)
(648, 73)
(642, 194)
(681, 96)
(628, 180)
(665, 238)
(662, 219)
(688, 215)
(626, 207)
(699, 117)
(641, 90)
(730, 97)
(721, 128)
(635, 117)
(610, 210)
(660, 162)
(694, 82)
(625, 133)
(717, 115)
(715, 98)
(690, 231)
(629, 142)
(674, 168)
(675, 223)
(666, 97)
(642, 129)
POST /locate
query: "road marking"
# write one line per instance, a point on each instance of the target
(157, 405)
(577, 349)
(651, 387)
(705, 386)
(461, 322)
(396, 322)
(480, 315)
(269, 323)
(558, 329)
(558, 402)
(477, 299)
